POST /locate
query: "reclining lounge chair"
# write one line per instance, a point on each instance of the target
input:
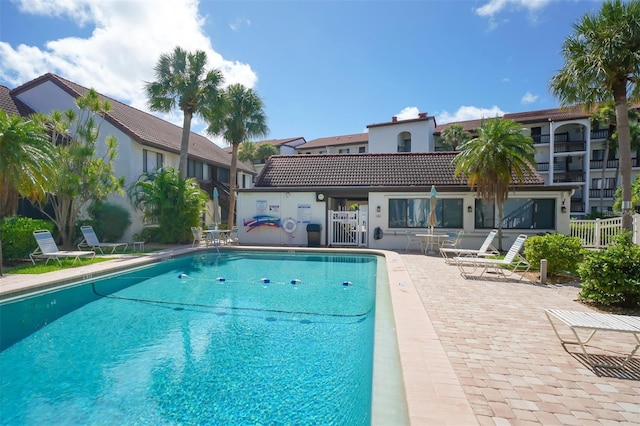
(91, 241)
(47, 249)
(484, 251)
(469, 265)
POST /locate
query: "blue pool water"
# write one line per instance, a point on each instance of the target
(239, 338)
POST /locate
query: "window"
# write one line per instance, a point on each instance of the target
(362, 149)
(343, 151)
(518, 214)
(597, 154)
(404, 142)
(414, 213)
(195, 169)
(151, 161)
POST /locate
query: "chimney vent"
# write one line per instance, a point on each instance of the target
(422, 115)
(394, 119)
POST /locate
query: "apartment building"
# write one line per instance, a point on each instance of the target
(569, 150)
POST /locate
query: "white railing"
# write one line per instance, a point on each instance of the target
(600, 232)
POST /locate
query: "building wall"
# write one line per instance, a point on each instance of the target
(385, 138)
(302, 207)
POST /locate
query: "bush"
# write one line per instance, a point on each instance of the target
(17, 237)
(612, 276)
(110, 221)
(562, 252)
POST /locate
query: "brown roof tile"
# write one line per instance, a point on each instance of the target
(144, 127)
(335, 141)
(468, 125)
(12, 105)
(366, 170)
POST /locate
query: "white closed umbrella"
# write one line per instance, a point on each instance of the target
(433, 219)
(217, 215)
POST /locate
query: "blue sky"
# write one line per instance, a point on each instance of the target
(323, 68)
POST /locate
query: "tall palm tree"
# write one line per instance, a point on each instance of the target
(454, 136)
(601, 63)
(182, 81)
(241, 118)
(500, 156)
(26, 161)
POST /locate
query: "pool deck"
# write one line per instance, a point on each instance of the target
(476, 351)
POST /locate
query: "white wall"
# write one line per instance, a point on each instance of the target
(385, 138)
(283, 205)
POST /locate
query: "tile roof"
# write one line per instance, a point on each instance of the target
(12, 105)
(468, 125)
(554, 114)
(144, 127)
(366, 170)
(356, 138)
(274, 142)
(394, 120)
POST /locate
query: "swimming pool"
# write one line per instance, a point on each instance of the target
(240, 338)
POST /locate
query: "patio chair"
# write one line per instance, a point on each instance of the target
(454, 241)
(198, 236)
(233, 236)
(513, 260)
(412, 239)
(485, 250)
(91, 241)
(48, 249)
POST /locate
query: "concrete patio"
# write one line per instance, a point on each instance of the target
(507, 359)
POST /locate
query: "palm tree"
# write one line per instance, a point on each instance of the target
(247, 152)
(240, 118)
(601, 63)
(182, 81)
(500, 156)
(26, 161)
(265, 150)
(454, 136)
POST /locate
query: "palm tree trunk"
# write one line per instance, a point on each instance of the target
(184, 146)
(624, 147)
(232, 185)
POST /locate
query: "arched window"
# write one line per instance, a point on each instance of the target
(404, 142)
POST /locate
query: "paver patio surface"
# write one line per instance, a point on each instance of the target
(507, 358)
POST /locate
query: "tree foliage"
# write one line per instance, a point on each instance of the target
(26, 161)
(500, 156)
(601, 63)
(454, 136)
(173, 203)
(183, 81)
(80, 174)
(241, 117)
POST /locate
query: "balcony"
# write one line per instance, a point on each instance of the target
(608, 193)
(572, 146)
(538, 139)
(568, 177)
(577, 206)
(597, 164)
(599, 134)
(542, 167)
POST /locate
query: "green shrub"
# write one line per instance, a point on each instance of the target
(562, 252)
(149, 234)
(612, 276)
(110, 221)
(17, 237)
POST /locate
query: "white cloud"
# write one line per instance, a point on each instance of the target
(467, 112)
(239, 22)
(493, 8)
(528, 98)
(127, 38)
(408, 113)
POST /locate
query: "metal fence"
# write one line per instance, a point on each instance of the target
(600, 232)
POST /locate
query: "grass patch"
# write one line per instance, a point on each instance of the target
(41, 268)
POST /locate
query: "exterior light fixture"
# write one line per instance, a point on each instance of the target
(378, 209)
(469, 209)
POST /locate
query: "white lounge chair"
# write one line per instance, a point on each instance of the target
(469, 265)
(47, 249)
(91, 241)
(485, 250)
(591, 322)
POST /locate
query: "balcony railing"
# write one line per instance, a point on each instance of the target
(541, 138)
(542, 167)
(568, 177)
(597, 164)
(577, 206)
(608, 193)
(572, 146)
(599, 134)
